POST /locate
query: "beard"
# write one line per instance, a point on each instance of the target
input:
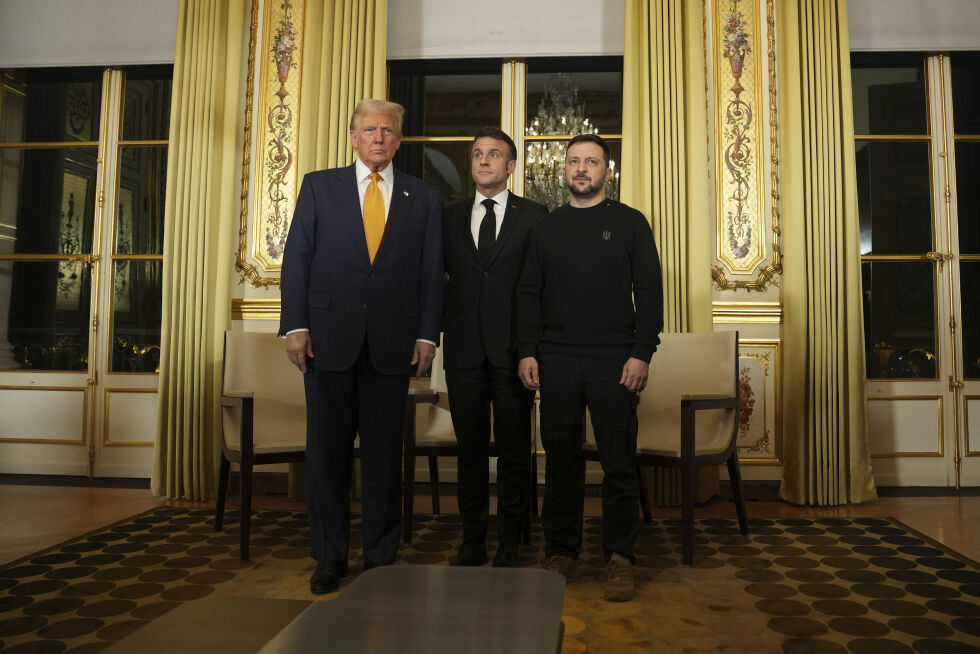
(588, 191)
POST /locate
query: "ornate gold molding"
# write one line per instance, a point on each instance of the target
(248, 309)
(248, 271)
(769, 273)
(746, 312)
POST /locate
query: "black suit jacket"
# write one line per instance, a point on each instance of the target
(330, 286)
(479, 319)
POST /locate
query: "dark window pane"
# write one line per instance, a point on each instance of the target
(965, 71)
(894, 200)
(446, 98)
(444, 165)
(889, 94)
(969, 292)
(51, 104)
(136, 316)
(968, 195)
(139, 206)
(146, 106)
(544, 172)
(48, 196)
(47, 308)
(899, 319)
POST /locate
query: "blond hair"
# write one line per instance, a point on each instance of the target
(372, 106)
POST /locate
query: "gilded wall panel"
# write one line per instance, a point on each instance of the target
(760, 423)
(740, 50)
(276, 59)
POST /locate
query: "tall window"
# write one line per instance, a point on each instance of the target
(82, 172)
(920, 243)
(541, 103)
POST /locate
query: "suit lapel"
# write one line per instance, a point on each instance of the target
(464, 230)
(511, 214)
(402, 197)
(349, 203)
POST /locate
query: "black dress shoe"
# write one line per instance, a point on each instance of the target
(326, 578)
(506, 557)
(470, 556)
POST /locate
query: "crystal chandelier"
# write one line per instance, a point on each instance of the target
(560, 113)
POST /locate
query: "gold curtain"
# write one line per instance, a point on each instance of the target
(827, 457)
(344, 61)
(665, 149)
(200, 221)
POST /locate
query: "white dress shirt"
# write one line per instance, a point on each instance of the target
(385, 184)
(479, 211)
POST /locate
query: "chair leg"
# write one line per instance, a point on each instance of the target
(246, 507)
(688, 479)
(434, 482)
(735, 477)
(644, 498)
(534, 485)
(219, 509)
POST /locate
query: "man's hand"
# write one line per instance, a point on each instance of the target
(299, 346)
(635, 373)
(423, 355)
(527, 370)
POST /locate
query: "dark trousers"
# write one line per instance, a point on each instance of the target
(472, 394)
(339, 406)
(568, 384)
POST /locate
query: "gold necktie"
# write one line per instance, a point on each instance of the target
(374, 216)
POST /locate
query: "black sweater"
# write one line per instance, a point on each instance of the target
(591, 285)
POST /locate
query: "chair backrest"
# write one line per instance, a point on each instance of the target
(255, 362)
(691, 363)
(697, 363)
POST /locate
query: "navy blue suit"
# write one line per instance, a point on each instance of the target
(364, 320)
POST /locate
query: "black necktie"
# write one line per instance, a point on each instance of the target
(488, 233)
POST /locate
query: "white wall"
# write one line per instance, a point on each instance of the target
(436, 29)
(87, 32)
(914, 25)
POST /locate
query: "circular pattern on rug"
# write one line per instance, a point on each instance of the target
(136, 591)
(921, 627)
(897, 608)
(797, 627)
(843, 608)
(783, 607)
(70, 628)
(859, 627)
(878, 646)
(957, 608)
(106, 608)
(54, 606)
(810, 576)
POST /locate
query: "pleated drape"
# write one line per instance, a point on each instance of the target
(201, 216)
(344, 61)
(826, 452)
(664, 171)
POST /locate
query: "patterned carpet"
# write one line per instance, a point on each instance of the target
(863, 585)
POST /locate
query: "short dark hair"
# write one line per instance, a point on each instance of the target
(591, 138)
(500, 135)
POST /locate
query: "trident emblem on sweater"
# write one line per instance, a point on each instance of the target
(606, 235)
